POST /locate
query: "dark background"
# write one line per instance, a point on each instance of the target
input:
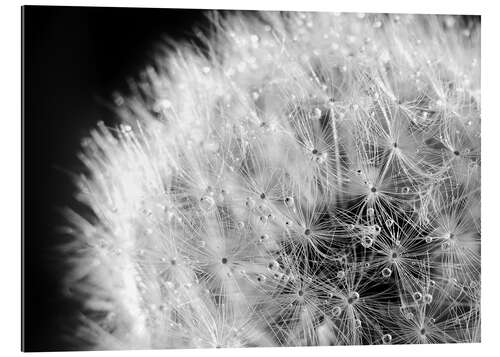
(74, 59)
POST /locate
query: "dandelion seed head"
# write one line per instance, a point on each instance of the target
(313, 178)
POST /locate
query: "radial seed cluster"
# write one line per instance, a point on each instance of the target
(300, 179)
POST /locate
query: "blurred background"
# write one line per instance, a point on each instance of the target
(74, 59)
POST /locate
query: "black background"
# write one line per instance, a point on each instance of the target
(74, 58)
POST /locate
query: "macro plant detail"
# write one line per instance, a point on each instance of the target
(302, 179)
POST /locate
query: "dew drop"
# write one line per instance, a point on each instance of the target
(417, 296)
(126, 128)
(250, 203)
(273, 266)
(353, 297)
(316, 114)
(207, 203)
(336, 311)
(289, 201)
(264, 237)
(427, 298)
(386, 272)
(386, 339)
(261, 278)
(366, 241)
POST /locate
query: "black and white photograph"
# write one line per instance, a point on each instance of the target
(225, 178)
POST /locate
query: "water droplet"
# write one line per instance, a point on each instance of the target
(341, 274)
(289, 202)
(389, 222)
(336, 311)
(207, 203)
(417, 296)
(264, 238)
(353, 297)
(386, 339)
(449, 21)
(126, 128)
(316, 114)
(261, 278)
(366, 241)
(386, 272)
(263, 219)
(357, 323)
(273, 265)
(370, 212)
(240, 225)
(161, 105)
(427, 298)
(250, 203)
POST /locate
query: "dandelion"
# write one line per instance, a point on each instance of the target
(310, 179)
